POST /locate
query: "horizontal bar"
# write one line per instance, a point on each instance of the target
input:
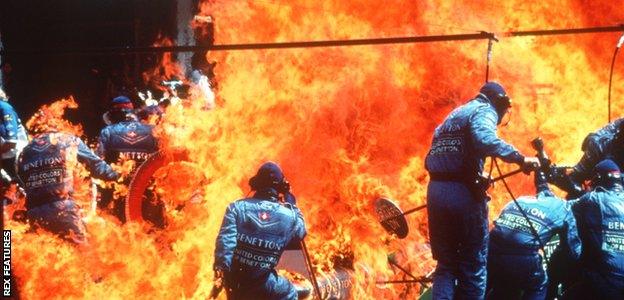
(253, 46)
(415, 209)
(566, 31)
(306, 44)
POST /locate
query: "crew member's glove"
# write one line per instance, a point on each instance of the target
(530, 164)
(540, 178)
(283, 187)
(571, 182)
(541, 181)
(218, 284)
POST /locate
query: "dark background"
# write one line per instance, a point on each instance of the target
(31, 80)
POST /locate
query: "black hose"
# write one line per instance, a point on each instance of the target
(533, 231)
(617, 48)
(310, 267)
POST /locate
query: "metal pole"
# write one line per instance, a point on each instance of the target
(489, 58)
(491, 39)
(414, 209)
(311, 44)
(617, 28)
(252, 46)
(406, 272)
(306, 255)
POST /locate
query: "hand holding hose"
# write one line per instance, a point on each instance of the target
(530, 164)
(217, 285)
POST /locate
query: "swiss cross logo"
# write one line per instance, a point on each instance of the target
(40, 144)
(264, 216)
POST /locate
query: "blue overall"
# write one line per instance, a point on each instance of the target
(600, 218)
(457, 208)
(45, 168)
(12, 133)
(129, 140)
(514, 264)
(126, 140)
(10, 122)
(599, 145)
(250, 243)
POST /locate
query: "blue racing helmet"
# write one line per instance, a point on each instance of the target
(495, 93)
(269, 175)
(121, 109)
(606, 173)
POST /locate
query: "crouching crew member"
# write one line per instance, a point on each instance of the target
(253, 236)
(514, 264)
(600, 218)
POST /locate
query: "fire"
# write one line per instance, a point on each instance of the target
(347, 124)
(166, 69)
(50, 118)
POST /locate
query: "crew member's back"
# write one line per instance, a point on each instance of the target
(125, 138)
(600, 218)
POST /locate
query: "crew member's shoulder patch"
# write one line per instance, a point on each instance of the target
(40, 144)
(264, 216)
(131, 134)
(263, 219)
(132, 137)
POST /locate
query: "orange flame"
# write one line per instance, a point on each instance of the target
(166, 69)
(49, 118)
(347, 125)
